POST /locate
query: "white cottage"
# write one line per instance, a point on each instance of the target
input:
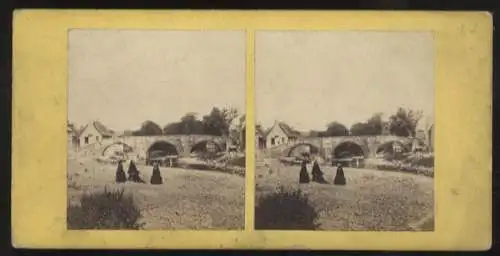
(94, 132)
(280, 133)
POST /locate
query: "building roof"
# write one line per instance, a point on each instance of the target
(101, 128)
(289, 131)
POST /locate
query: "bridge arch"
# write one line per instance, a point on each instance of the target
(348, 149)
(315, 149)
(162, 148)
(120, 147)
(201, 146)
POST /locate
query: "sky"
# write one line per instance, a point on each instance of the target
(125, 77)
(309, 79)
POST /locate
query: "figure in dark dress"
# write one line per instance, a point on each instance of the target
(303, 176)
(133, 173)
(156, 178)
(120, 174)
(339, 176)
(317, 174)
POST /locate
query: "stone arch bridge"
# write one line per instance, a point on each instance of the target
(366, 145)
(181, 145)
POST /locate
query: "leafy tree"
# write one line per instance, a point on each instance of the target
(358, 129)
(218, 121)
(149, 128)
(373, 126)
(191, 125)
(335, 129)
(404, 122)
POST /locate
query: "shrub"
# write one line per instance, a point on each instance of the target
(238, 161)
(425, 161)
(104, 210)
(285, 210)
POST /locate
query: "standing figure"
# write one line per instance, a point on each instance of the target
(120, 174)
(133, 173)
(303, 176)
(317, 174)
(339, 176)
(156, 178)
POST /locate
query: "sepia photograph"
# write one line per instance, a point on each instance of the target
(344, 130)
(156, 136)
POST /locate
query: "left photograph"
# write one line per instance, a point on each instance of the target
(156, 130)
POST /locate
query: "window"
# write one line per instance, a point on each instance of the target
(97, 138)
(86, 140)
(272, 141)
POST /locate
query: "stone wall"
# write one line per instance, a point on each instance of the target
(183, 143)
(327, 145)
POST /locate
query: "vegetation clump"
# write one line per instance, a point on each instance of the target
(104, 210)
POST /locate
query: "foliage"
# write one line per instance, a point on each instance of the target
(372, 126)
(217, 122)
(148, 128)
(104, 210)
(335, 129)
(404, 122)
(238, 161)
(285, 210)
(189, 124)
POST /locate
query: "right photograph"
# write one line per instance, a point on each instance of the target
(344, 130)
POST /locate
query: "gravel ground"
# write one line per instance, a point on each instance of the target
(188, 199)
(371, 200)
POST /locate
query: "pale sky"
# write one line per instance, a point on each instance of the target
(308, 79)
(125, 77)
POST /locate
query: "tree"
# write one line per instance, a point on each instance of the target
(149, 128)
(173, 128)
(219, 121)
(373, 126)
(358, 129)
(404, 122)
(191, 125)
(335, 129)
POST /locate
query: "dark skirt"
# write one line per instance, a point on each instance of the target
(304, 176)
(339, 177)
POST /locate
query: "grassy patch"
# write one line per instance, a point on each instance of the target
(104, 210)
(285, 210)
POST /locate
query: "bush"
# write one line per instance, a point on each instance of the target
(104, 210)
(425, 161)
(284, 210)
(238, 161)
